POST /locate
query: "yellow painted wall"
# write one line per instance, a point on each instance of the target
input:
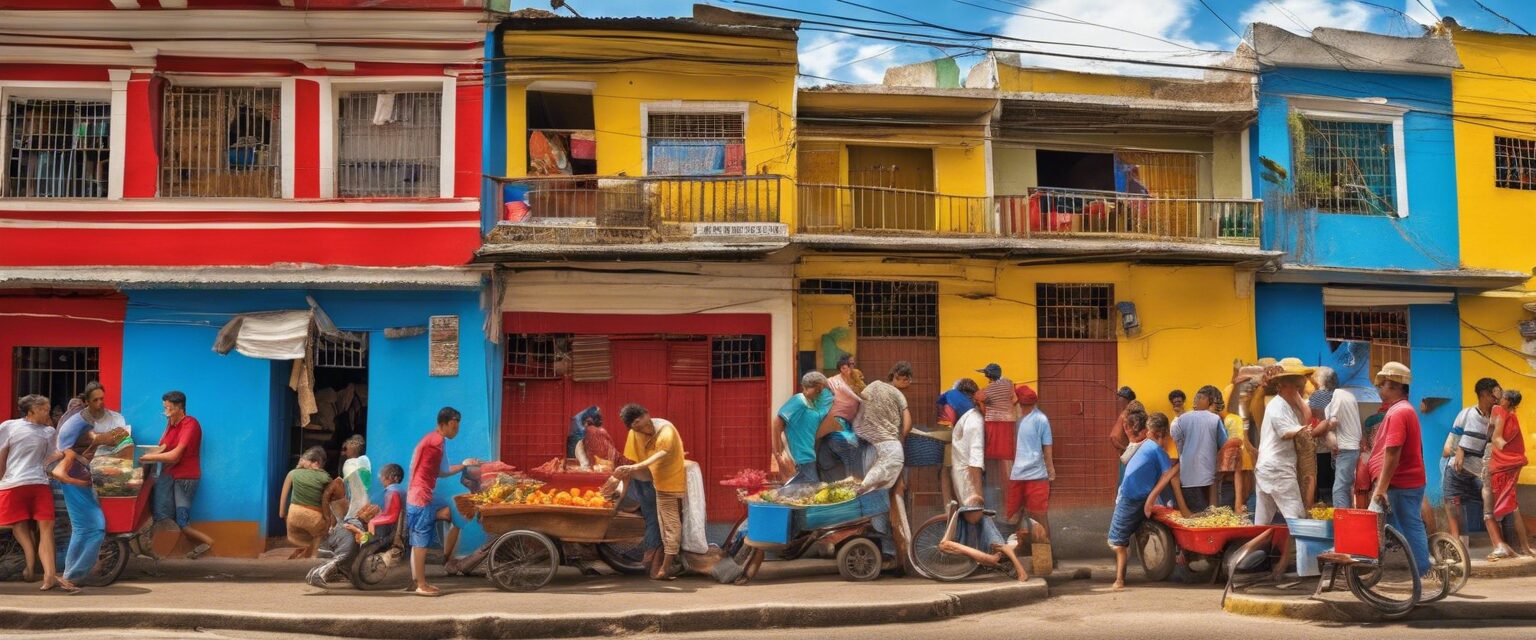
(1498, 81)
(620, 90)
(1195, 320)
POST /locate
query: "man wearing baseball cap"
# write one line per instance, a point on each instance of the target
(1397, 462)
(1029, 481)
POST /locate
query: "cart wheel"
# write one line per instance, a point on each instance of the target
(371, 567)
(625, 557)
(859, 560)
(1450, 563)
(933, 563)
(1392, 585)
(523, 561)
(736, 538)
(110, 564)
(1154, 545)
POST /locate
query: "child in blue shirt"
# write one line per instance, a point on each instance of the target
(1148, 473)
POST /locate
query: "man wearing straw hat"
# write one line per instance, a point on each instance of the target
(1275, 470)
(1397, 462)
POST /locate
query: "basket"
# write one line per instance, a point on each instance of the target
(827, 515)
(923, 451)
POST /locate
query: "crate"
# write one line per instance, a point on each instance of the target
(826, 515)
(1355, 532)
(1307, 551)
(768, 522)
(1308, 528)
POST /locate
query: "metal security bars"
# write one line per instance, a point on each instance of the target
(350, 351)
(57, 372)
(695, 144)
(739, 357)
(389, 144)
(886, 309)
(56, 148)
(1075, 212)
(1514, 163)
(1075, 311)
(1345, 166)
(533, 356)
(1385, 328)
(221, 142)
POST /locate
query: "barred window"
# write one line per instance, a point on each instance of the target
(349, 351)
(536, 355)
(1075, 311)
(1346, 166)
(1514, 163)
(887, 309)
(739, 357)
(221, 142)
(60, 373)
(389, 144)
(696, 144)
(57, 148)
(1384, 328)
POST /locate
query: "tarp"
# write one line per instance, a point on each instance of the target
(1351, 360)
(270, 335)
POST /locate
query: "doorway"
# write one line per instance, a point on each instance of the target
(341, 397)
(1079, 369)
(893, 188)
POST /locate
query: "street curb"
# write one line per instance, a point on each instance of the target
(1298, 608)
(750, 615)
(1512, 568)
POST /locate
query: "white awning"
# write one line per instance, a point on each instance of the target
(1340, 297)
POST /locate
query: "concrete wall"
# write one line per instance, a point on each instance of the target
(1427, 239)
(168, 345)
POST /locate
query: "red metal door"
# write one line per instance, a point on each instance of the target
(1077, 393)
(738, 439)
(639, 376)
(877, 355)
(533, 421)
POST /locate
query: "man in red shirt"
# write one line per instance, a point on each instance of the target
(1397, 462)
(180, 459)
(422, 511)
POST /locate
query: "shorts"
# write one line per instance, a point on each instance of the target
(981, 535)
(173, 499)
(1129, 515)
(1196, 498)
(1461, 488)
(306, 525)
(1231, 457)
(421, 526)
(1001, 436)
(26, 502)
(1033, 495)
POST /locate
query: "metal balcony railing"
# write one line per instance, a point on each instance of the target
(832, 208)
(573, 209)
(1071, 212)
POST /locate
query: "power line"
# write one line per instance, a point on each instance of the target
(1207, 6)
(1500, 16)
(1071, 19)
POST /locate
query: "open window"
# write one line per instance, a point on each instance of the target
(562, 136)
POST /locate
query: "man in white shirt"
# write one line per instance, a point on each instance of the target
(1341, 419)
(1275, 470)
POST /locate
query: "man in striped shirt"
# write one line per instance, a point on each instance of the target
(1001, 428)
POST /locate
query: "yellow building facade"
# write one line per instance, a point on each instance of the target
(1496, 190)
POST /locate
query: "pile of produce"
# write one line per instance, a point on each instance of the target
(805, 495)
(532, 492)
(1212, 518)
(746, 479)
(565, 465)
(113, 471)
(1321, 512)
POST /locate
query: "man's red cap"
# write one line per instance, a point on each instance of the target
(1026, 395)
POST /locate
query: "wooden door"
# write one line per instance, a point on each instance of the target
(893, 187)
(1077, 392)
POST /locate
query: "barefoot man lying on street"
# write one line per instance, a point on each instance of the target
(974, 534)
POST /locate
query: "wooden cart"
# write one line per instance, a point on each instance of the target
(532, 541)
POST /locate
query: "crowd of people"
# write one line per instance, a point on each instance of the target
(1252, 446)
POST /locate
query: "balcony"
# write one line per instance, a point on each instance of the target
(629, 210)
(1040, 213)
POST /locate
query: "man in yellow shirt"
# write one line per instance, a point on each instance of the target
(657, 448)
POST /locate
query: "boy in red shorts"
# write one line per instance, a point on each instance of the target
(1029, 480)
(27, 445)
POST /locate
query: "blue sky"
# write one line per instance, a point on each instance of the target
(1177, 31)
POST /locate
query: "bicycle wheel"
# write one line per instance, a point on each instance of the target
(926, 556)
(1154, 545)
(110, 563)
(734, 540)
(523, 561)
(1392, 585)
(1450, 558)
(625, 557)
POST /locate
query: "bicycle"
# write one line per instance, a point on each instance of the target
(932, 562)
(1390, 581)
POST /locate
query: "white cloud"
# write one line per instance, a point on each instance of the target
(850, 58)
(1422, 11)
(1157, 30)
(1302, 16)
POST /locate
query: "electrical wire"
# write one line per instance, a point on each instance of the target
(1207, 6)
(1501, 16)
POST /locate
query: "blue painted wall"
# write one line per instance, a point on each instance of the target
(493, 141)
(1290, 323)
(1427, 239)
(168, 344)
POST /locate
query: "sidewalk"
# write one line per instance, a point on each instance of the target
(1511, 598)
(270, 596)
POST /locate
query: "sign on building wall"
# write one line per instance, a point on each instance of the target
(443, 346)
